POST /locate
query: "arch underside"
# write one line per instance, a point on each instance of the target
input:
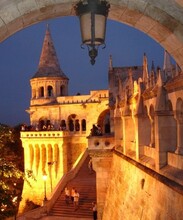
(161, 20)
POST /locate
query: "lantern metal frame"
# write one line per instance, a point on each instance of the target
(93, 8)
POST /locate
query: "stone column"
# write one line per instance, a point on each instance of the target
(152, 134)
(101, 160)
(37, 93)
(61, 159)
(179, 149)
(139, 135)
(27, 156)
(43, 158)
(179, 119)
(54, 93)
(45, 92)
(151, 117)
(49, 164)
(163, 136)
(111, 120)
(118, 124)
(124, 135)
(34, 161)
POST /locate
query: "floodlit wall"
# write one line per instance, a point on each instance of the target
(138, 193)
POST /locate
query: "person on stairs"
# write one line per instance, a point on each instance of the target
(72, 194)
(94, 209)
(76, 200)
(67, 195)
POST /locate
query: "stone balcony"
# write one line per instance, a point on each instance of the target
(104, 142)
(50, 134)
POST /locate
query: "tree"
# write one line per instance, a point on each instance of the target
(11, 171)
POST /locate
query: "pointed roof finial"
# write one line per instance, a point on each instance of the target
(48, 64)
(110, 63)
(145, 70)
(167, 65)
(152, 66)
(159, 80)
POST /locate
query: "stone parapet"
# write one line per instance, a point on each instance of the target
(104, 142)
(175, 160)
(137, 192)
(49, 134)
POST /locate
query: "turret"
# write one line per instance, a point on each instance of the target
(49, 82)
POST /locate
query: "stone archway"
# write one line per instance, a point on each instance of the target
(161, 20)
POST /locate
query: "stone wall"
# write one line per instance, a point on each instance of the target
(136, 192)
(72, 149)
(53, 152)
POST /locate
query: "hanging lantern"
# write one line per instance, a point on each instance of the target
(93, 16)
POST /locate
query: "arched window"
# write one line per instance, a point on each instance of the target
(62, 90)
(50, 91)
(107, 123)
(71, 125)
(104, 122)
(83, 124)
(48, 123)
(41, 125)
(179, 109)
(169, 105)
(77, 125)
(41, 92)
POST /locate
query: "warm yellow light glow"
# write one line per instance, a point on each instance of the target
(135, 88)
(44, 177)
(14, 199)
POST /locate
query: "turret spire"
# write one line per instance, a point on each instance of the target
(167, 66)
(110, 62)
(48, 63)
(145, 70)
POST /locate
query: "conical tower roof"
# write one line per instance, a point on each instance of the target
(48, 64)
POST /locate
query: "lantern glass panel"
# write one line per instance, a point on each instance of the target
(100, 26)
(85, 25)
(99, 31)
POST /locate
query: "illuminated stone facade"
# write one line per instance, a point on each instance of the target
(59, 124)
(148, 108)
(140, 116)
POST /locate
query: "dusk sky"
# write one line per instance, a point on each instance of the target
(20, 55)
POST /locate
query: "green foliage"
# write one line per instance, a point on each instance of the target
(11, 171)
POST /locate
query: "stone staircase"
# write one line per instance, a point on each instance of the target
(85, 184)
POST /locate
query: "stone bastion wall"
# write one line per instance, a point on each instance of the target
(137, 192)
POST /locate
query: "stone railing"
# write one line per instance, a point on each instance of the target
(49, 134)
(45, 209)
(103, 142)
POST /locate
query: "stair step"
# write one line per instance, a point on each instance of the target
(85, 184)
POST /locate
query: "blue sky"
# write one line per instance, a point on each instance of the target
(20, 55)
